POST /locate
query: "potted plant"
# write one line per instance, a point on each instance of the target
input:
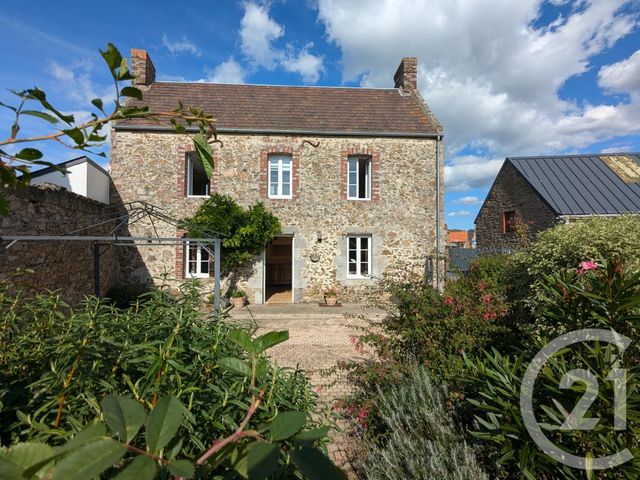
(331, 297)
(238, 298)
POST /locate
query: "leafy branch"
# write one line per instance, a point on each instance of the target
(86, 135)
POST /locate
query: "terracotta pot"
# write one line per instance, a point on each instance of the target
(238, 301)
(331, 301)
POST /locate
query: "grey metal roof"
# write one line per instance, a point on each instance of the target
(584, 184)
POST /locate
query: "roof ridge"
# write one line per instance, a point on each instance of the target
(572, 155)
(345, 87)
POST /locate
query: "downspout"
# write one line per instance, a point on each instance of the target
(438, 139)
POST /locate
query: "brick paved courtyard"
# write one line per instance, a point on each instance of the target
(318, 339)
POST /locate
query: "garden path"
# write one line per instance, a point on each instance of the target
(319, 338)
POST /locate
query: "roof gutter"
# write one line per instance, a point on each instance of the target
(259, 131)
(438, 283)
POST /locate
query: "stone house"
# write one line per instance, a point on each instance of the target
(353, 174)
(530, 194)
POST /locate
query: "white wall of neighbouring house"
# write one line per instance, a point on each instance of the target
(82, 178)
(97, 184)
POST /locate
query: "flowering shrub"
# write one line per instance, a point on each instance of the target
(433, 330)
(605, 295)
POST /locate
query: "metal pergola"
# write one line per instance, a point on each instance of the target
(135, 211)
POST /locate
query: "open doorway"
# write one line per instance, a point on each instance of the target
(279, 271)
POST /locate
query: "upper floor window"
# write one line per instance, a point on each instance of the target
(279, 176)
(508, 221)
(196, 261)
(359, 256)
(359, 178)
(197, 181)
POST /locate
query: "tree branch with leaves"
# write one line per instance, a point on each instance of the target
(15, 168)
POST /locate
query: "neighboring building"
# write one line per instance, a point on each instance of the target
(458, 238)
(533, 193)
(350, 172)
(80, 175)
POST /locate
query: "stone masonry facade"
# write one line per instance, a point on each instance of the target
(66, 266)
(400, 217)
(510, 192)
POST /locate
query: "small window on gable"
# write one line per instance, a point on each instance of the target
(197, 181)
(359, 178)
(279, 176)
(196, 261)
(508, 221)
(359, 256)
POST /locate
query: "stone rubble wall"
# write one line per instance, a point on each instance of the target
(511, 192)
(66, 266)
(149, 166)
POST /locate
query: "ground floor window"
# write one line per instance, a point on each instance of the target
(196, 261)
(359, 255)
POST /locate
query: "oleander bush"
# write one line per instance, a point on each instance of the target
(58, 364)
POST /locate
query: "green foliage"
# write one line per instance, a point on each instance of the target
(238, 294)
(202, 381)
(423, 440)
(604, 297)
(15, 168)
(565, 246)
(245, 231)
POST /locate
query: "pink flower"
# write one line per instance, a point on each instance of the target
(586, 266)
(486, 299)
(448, 300)
(486, 316)
(482, 286)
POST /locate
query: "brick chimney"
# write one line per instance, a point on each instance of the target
(406, 76)
(142, 68)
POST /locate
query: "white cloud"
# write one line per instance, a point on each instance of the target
(470, 171)
(182, 46)
(490, 76)
(306, 64)
(258, 34)
(461, 213)
(470, 200)
(227, 72)
(76, 83)
(623, 76)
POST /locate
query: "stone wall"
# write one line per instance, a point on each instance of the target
(511, 192)
(66, 266)
(400, 217)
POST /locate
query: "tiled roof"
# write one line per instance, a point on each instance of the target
(296, 109)
(457, 236)
(601, 184)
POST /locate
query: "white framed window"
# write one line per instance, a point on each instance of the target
(359, 178)
(279, 176)
(196, 261)
(197, 181)
(359, 256)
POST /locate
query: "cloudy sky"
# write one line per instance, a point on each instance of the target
(505, 77)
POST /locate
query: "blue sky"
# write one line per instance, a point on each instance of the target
(506, 78)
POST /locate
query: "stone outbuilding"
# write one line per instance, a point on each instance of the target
(353, 174)
(530, 194)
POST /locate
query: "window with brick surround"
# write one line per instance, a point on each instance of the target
(196, 178)
(197, 261)
(359, 178)
(359, 256)
(279, 176)
(508, 221)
